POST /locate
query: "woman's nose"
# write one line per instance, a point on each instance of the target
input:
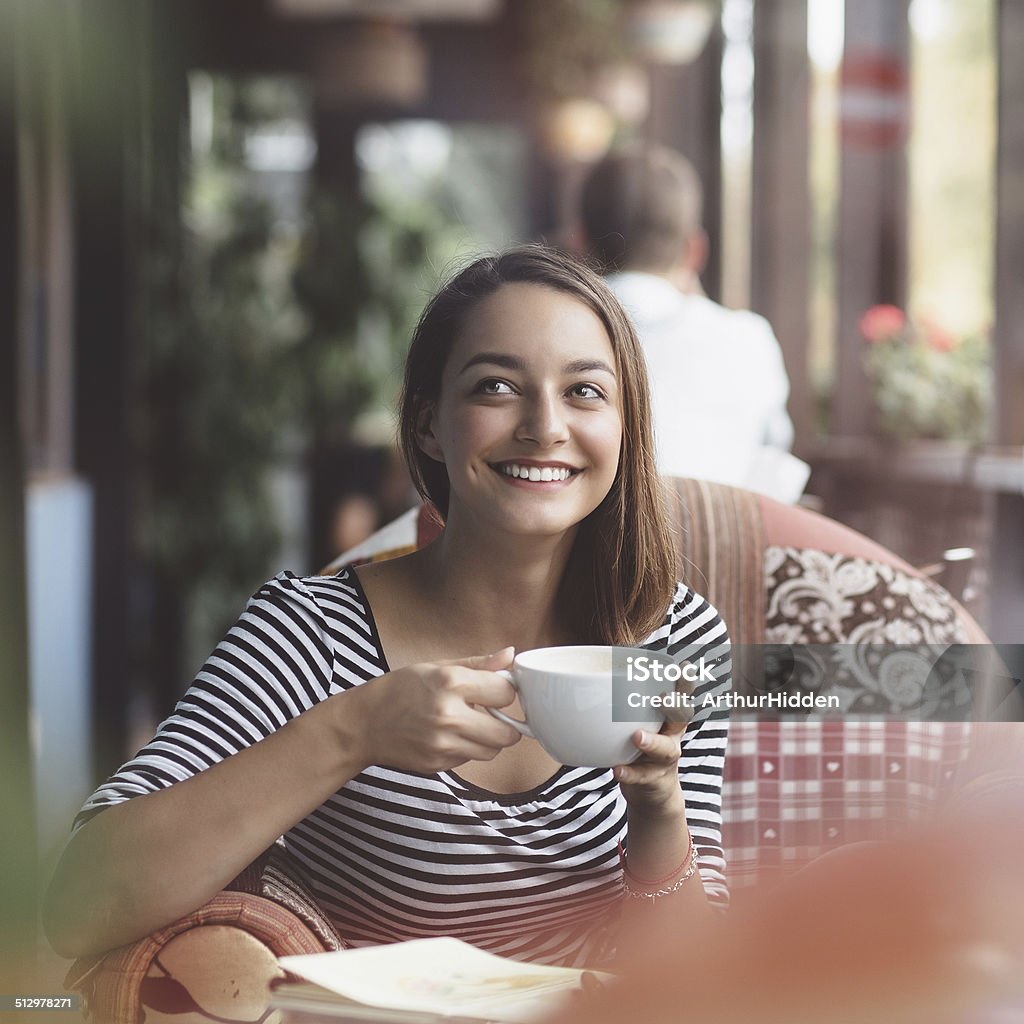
(543, 422)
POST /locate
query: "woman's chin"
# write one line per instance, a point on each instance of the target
(534, 527)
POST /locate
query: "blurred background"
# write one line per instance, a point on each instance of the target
(219, 220)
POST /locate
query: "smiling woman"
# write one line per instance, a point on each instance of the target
(347, 718)
(564, 334)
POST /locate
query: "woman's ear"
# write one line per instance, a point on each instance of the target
(425, 436)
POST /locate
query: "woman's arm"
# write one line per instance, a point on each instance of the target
(140, 864)
(145, 862)
(658, 785)
(659, 848)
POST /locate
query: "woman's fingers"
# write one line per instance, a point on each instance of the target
(483, 688)
(488, 662)
(678, 716)
(431, 716)
(658, 761)
(648, 769)
(483, 728)
(640, 774)
(676, 723)
(661, 747)
(471, 751)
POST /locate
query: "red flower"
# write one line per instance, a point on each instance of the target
(938, 338)
(882, 323)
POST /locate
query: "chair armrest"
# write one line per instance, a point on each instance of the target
(217, 961)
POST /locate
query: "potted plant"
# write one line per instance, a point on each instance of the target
(927, 382)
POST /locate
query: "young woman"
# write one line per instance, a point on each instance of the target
(347, 715)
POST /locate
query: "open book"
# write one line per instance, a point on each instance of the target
(419, 981)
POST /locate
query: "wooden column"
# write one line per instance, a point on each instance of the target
(1008, 339)
(105, 92)
(872, 257)
(686, 114)
(335, 175)
(1007, 563)
(159, 665)
(780, 207)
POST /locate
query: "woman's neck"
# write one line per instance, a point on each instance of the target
(501, 592)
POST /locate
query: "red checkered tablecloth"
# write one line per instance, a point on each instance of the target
(797, 788)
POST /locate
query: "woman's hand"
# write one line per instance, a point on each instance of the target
(659, 844)
(650, 784)
(432, 717)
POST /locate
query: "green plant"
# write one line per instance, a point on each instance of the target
(927, 383)
(220, 385)
(330, 285)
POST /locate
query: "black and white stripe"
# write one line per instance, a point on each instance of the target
(396, 855)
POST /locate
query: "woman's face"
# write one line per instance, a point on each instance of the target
(528, 423)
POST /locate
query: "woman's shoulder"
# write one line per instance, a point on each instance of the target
(694, 631)
(291, 583)
(691, 616)
(321, 597)
(326, 615)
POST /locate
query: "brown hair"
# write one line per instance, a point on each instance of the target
(622, 570)
(639, 207)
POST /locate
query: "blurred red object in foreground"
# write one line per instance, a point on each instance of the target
(925, 930)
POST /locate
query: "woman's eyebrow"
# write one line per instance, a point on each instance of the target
(508, 362)
(588, 365)
(495, 359)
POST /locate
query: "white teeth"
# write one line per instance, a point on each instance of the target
(534, 473)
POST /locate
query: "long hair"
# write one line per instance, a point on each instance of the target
(621, 572)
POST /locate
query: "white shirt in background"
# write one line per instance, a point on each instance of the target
(718, 387)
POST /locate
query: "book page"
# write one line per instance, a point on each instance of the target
(443, 976)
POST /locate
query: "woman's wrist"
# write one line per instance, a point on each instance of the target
(669, 876)
(654, 888)
(663, 814)
(658, 838)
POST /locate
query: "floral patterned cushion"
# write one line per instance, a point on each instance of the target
(814, 597)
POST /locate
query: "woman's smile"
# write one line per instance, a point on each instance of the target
(536, 475)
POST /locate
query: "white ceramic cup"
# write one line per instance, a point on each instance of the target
(566, 694)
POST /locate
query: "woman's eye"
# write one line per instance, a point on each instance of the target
(491, 386)
(586, 391)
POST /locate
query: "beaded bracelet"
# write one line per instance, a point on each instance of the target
(643, 894)
(674, 873)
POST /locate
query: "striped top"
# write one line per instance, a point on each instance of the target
(398, 855)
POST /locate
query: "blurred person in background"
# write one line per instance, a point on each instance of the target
(366, 485)
(718, 380)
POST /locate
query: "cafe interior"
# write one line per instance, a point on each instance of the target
(220, 222)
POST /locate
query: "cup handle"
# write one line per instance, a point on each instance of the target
(521, 727)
